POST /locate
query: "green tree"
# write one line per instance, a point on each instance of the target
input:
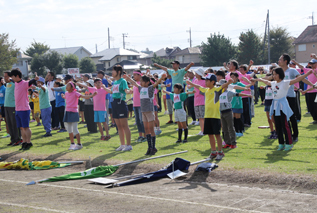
(8, 52)
(161, 61)
(70, 61)
(216, 50)
(36, 47)
(37, 64)
(249, 48)
(280, 42)
(53, 61)
(87, 65)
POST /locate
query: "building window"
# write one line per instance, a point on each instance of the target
(313, 45)
(302, 47)
(118, 59)
(131, 57)
(108, 64)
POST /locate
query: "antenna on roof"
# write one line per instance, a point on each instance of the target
(190, 36)
(312, 18)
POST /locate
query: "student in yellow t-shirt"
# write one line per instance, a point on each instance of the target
(212, 123)
(37, 111)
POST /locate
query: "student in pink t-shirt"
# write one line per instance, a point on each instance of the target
(137, 107)
(199, 100)
(71, 116)
(100, 111)
(22, 107)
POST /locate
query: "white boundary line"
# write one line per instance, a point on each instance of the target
(32, 207)
(139, 196)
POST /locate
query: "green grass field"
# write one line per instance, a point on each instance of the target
(254, 152)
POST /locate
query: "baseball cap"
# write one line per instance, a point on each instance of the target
(200, 71)
(210, 77)
(221, 82)
(87, 76)
(313, 61)
(68, 77)
(41, 80)
(175, 62)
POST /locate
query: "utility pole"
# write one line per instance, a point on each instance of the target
(268, 38)
(108, 38)
(124, 35)
(190, 36)
(96, 48)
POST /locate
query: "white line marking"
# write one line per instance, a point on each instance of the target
(140, 196)
(32, 207)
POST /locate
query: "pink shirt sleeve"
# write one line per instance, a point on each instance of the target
(136, 96)
(312, 78)
(244, 82)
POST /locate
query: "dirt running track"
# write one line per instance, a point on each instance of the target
(161, 196)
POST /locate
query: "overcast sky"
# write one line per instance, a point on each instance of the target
(148, 23)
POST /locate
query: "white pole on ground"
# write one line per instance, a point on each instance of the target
(72, 162)
(145, 159)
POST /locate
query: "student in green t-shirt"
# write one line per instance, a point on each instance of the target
(119, 90)
(178, 97)
(176, 73)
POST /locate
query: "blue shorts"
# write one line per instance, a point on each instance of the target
(155, 108)
(22, 118)
(237, 110)
(100, 116)
(267, 108)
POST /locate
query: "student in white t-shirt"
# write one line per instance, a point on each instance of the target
(280, 107)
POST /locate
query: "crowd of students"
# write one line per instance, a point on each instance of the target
(217, 101)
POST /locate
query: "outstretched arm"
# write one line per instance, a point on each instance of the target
(189, 66)
(160, 66)
(191, 92)
(106, 89)
(230, 81)
(88, 96)
(167, 92)
(192, 84)
(128, 78)
(263, 80)
(160, 80)
(302, 78)
(82, 85)
(299, 66)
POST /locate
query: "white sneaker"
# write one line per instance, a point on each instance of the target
(120, 148)
(72, 146)
(78, 147)
(197, 123)
(127, 148)
(193, 123)
(200, 133)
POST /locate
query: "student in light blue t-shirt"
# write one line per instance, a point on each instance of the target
(45, 106)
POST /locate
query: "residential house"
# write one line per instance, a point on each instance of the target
(165, 52)
(107, 58)
(81, 52)
(190, 54)
(22, 63)
(305, 44)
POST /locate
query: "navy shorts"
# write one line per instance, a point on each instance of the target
(155, 109)
(267, 108)
(22, 118)
(119, 109)
(2, 112)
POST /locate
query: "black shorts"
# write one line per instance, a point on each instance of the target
(130, 107)
(119, 109)
(110, 111)
(81, 106)
(2, 112)
(31, 105)
(212, 126)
